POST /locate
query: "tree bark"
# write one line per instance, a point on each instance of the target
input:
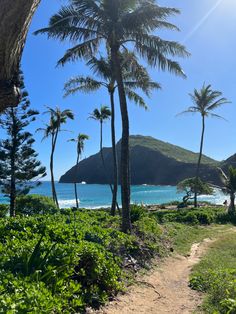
(54, 193)
(114, 152)
(125, 173)
(76, 195)
(13, 178)
(199, 161)
(15, 19)
(231, 209)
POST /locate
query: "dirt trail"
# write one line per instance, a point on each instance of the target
(164, 290)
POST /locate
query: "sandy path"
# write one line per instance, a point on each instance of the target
(164, 290)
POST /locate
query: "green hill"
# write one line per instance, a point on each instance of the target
(172, 151)
(152, 162)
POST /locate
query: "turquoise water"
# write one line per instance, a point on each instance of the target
(95, 195)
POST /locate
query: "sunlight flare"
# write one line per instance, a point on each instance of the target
(202, 21)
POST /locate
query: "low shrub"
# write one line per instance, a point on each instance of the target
(35, 204)
(75, 259)
(221, 288)
(4, 210)
(137, 212)
(201, 216)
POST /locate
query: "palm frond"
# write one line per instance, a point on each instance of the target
(81, 84)
(136, 98)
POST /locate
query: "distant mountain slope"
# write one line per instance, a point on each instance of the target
(152, 162)
(169, 150)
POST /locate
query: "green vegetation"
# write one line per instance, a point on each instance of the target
(190, 186)
(34, 205)
(199, 216)
(64, 262)
(216, 275)
(229, 187)
(20, 170)
(170, 150)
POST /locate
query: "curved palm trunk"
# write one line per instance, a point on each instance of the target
(115, 167)
(125, 173)
(199, 161)
(15, 19)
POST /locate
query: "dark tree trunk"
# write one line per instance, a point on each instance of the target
(199, 161)
(15, 19)
(115, 167)
(13, 177)
(54, 194)
(75, 184)
(125, 178)
(231, 209)
(76, 195)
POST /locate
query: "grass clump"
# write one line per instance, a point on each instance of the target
(216, 275)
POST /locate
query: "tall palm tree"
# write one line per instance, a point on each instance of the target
(81, 138)
(52, 129)
(118, 24)
(205, 101)
(135, 77)
(229, 186)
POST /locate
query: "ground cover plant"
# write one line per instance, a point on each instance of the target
(216, 275)
(199, 216)
(69, 260)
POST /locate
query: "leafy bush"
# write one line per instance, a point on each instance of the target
(4, 209)
(137, 212)
(221, 287)
(74, 259)
(201, 216)
(35, 204)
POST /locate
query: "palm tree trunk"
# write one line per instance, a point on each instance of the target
(54, 194)
(76, 195)
(199, 161)
(125, 178)
(15, 19)
(115, 167)
(231, 209)
(75, 184)
(13, 178)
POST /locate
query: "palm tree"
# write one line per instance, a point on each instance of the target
(135, 76)
(52, 129)
(15, 20)
(81, 138)
(205, 101)
(101, 116)
(117, 25)
(229, 186)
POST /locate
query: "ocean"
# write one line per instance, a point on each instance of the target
(96, 195)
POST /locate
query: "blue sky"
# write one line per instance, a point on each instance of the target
(208, 34)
